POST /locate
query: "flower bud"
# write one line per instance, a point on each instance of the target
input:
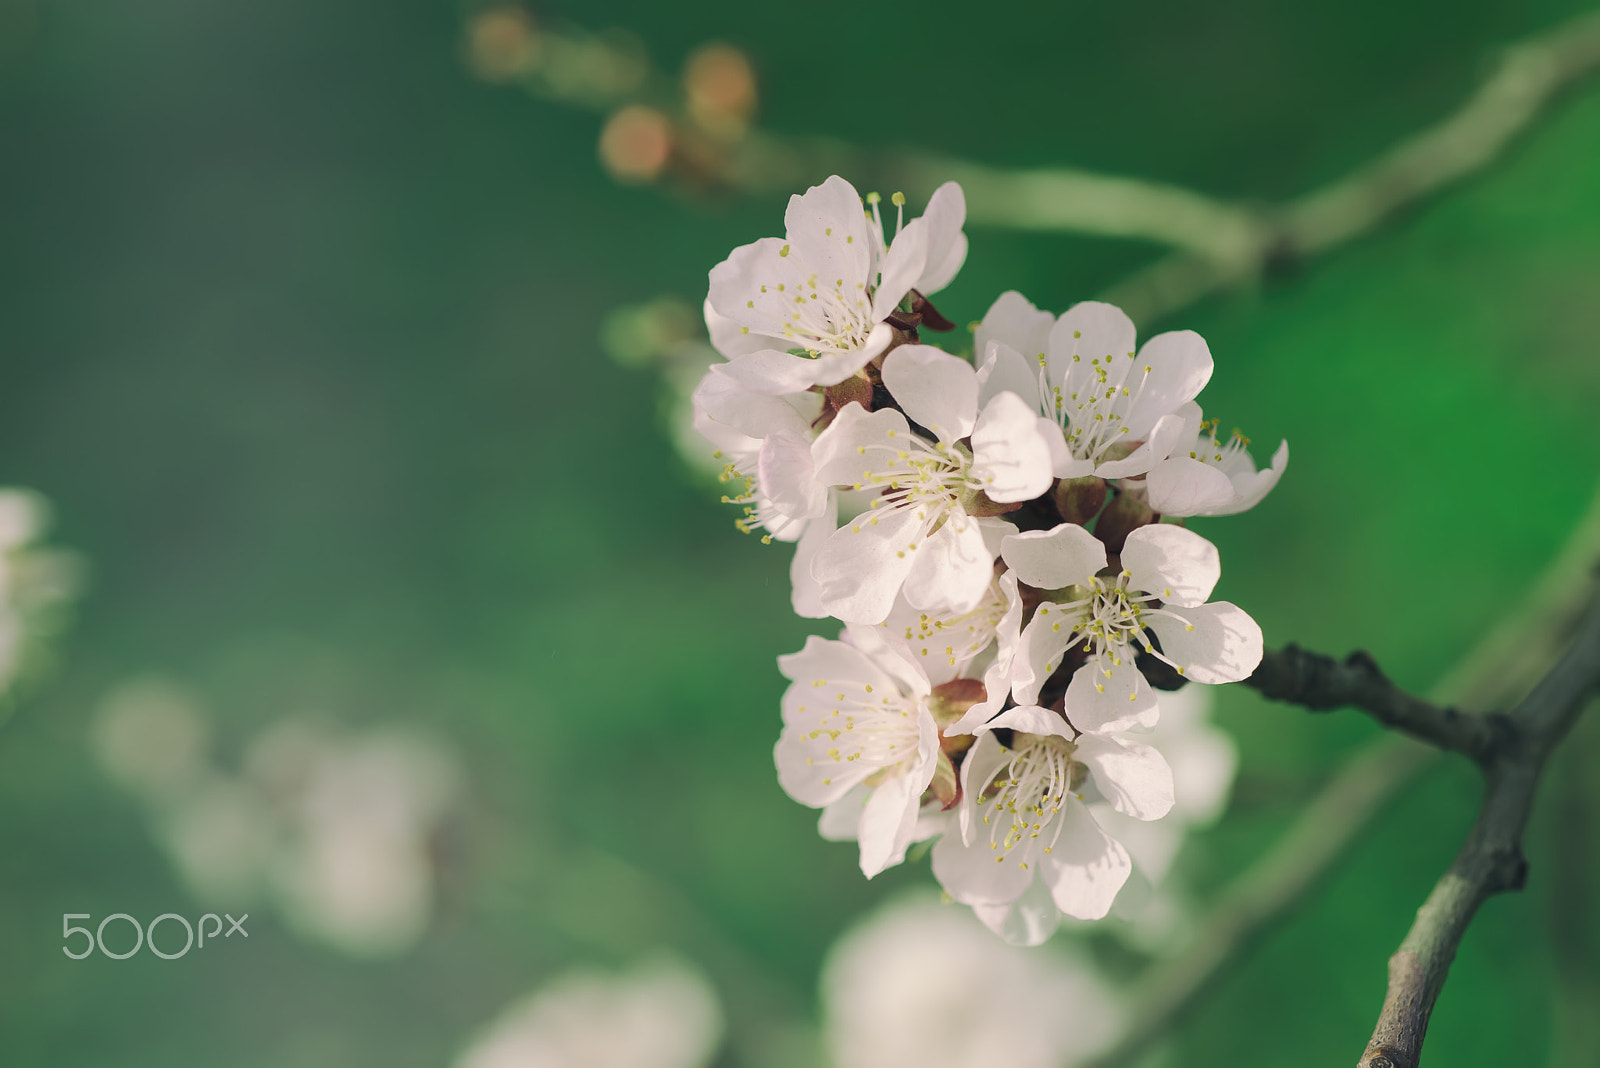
(1079, 500)
(949, 701)
(1125, 514)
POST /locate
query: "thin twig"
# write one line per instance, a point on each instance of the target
(1530, 74)
(1321, 683)
(1491, 861)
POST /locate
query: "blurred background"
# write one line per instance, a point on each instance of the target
(371, 597)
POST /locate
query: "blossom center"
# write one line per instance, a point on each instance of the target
(1021, 801)
(856, 722)
(960, 637)
(1092, 402)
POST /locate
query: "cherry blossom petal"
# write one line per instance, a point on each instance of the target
(1013, 321)
(1134, 778)
(935, 389)
(1010, 455)
(1086, 867)
(1004, 370)
(1175, 564)
(946, 251)
(1118, 698)
(827, 231)
(1054, 559)
(1211, 643)
(806, 591)
(1030, 920)
(788, 479)
(864, 563)
(1180, 486)
(1091, 330)
(1180, 366)
(952, 567)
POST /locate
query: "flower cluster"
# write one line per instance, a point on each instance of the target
(1001, 537)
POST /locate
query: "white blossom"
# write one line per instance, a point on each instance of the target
(920, 984)
(919, 533)
(828, 286)
(659, 1014)
(1028, 848)
(1203, 476)
(1166, 577)
(851, 720)
(764, 442)
(1116, 407)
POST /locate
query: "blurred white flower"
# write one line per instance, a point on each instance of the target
(920, 984)
(333, 828)
(661, 1014)
(34, 579)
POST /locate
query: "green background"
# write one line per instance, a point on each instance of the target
(300, 338)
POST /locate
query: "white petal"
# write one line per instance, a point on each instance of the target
(1121, 701)
(970, 874)
(1251, 487)
(834, 661)
(1046, 637)
(1086, 867)
(755, 286)
(807, 776)
(1221, 643)
(1180, 366)
(983, 760)
(952, 569)
(995, 531)
(727, 337)
(806, 591)
(772, 372)
(839, 820)
(935, 389)
(901, 267)
(827, 230)
(1010, 455)
(947, 245)
(864, 563)
(890, 816)
(787, 478)
(1004, 370)
(1176, 564)
(841, 452)
(1054, 559)
(1032, 719)
(755, 413)
(1135, 778)
(1160, 442)
(1179, 486)
(1030, 920)
(1014, 321)
(1092, 330)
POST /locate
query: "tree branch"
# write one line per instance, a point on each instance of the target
(1491, 861)
(1321, 683)
(1531, 74)
(1330, 825)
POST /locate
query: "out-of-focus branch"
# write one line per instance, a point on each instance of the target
(1325, 831)
(698, 132)
(1491, 861)
(1530, 74)
(1321, 683)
